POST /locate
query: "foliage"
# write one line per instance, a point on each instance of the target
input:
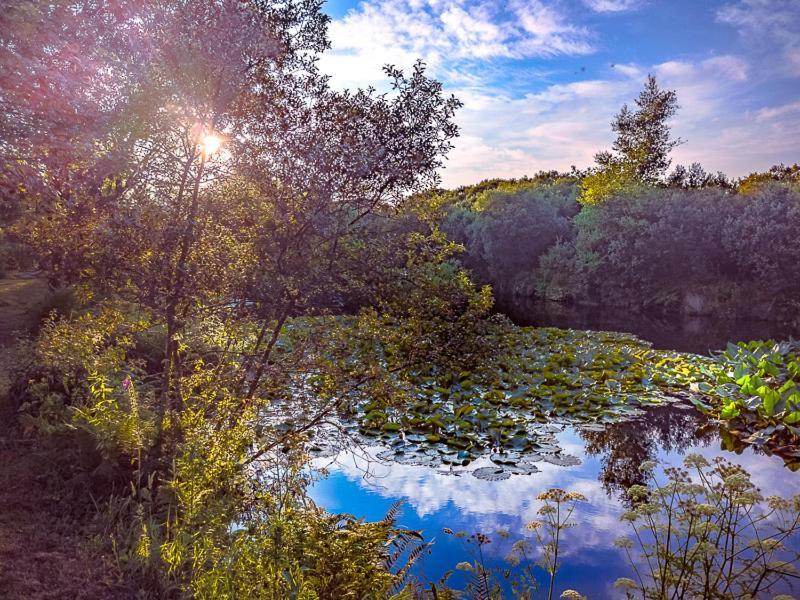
(760, 235)
(777, 173)
(643, 136)
(614, 178)
(659, 247)
(761, 378)
(535, 376)
(199, 190)
(506, 236)
(651, 244)
(642, 147)
(708, 533)
(695, 177)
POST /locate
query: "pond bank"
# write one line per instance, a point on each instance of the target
(43, 546)
(684, 333)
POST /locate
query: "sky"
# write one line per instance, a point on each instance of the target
(541, 79)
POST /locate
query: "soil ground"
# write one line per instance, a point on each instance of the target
(43, 551)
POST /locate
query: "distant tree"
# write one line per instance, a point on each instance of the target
(643, 135)
(781, 173)
(696, 177)
(641, 150)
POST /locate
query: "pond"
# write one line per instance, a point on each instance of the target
(600, 461)
(699, 334)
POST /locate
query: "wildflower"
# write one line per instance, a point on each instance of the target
(695, 461)
(777, 503)
(768, 544)
(705, 510)
(576, 497)
(483, 539)
(647, 466)
(623, 542)
(553, 495)
(126, 383)
(638, 492)
(625, 583)
(737, 482)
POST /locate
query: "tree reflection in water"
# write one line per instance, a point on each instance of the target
(625, 446)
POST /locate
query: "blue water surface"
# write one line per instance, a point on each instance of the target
(435, 499)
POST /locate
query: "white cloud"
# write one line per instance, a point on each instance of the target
(515, 123)
(612, 5)
(768, 25)
(509, 504)
(774, 112)
(441, 32)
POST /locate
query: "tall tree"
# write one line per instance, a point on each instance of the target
(643, 134)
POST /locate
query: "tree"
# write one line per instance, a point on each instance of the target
(187, 165)
(643, 135)
(123, 190)
(642, 146)
(696, 177)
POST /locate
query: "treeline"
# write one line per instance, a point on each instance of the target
(697, 245)
(626, 233)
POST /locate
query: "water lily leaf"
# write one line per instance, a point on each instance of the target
(491, 473)
(563, 460)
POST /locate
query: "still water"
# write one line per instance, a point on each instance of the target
(698, 334)
(608, 461)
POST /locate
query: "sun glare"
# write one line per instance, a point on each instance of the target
(210, 144)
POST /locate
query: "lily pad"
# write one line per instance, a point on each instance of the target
(491, 473)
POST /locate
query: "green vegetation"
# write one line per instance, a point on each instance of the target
(690, 250)
(536, 376)
(239, 259)
(753, 386)
(626, 234)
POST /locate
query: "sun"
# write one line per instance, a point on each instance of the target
(210, 144)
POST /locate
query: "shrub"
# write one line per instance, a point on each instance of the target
(651, 246)
(762, 237)
(506, 239)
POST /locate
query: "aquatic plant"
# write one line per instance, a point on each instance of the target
(760, 378)
(753, 388)
(510, 405)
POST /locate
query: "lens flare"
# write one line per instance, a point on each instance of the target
(210, 144)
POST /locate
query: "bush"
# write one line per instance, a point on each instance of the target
(657, 244)
(506, 239)
(762, 237)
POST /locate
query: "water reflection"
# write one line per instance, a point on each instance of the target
(436, 498)
(622, 448)
(668, 332)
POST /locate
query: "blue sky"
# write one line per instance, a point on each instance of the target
(541, 79)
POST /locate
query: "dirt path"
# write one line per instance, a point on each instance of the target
(42, 549)
(42, 552)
